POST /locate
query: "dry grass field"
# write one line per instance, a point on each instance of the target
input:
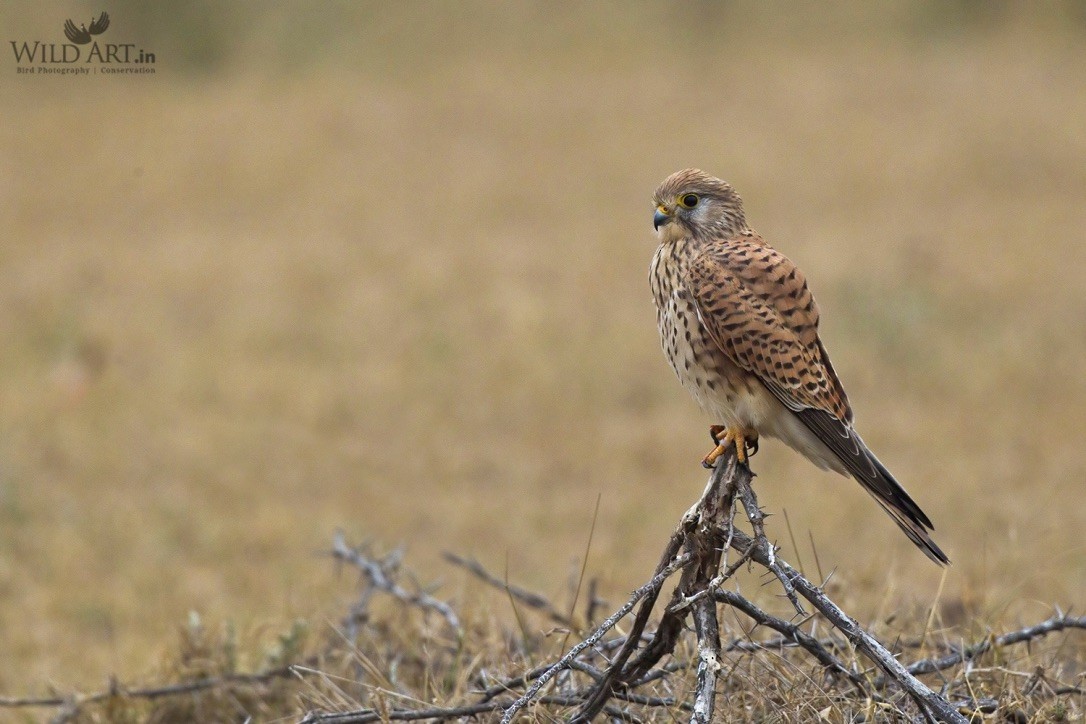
(384, 270)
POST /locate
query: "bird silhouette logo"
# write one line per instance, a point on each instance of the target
(82, 34)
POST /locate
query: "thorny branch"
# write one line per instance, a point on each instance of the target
(152, 692)
(1059, 622)
(528, 598)
(650, 589)
(929, 702)
(793, 633)
(382, 576)
(705, 530)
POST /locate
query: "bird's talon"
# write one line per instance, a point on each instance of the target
(745, 441)
(709, 461)
(715, 431)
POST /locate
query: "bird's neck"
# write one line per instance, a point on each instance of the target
(677, 247)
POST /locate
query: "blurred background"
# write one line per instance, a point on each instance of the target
(383, 267)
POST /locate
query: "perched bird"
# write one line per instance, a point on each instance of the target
(740, 328)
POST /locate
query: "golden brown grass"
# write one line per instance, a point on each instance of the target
(398, 286)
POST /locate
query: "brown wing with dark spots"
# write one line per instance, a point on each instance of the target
(757, 307)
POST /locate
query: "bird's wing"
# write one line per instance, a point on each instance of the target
(74, 34)
(97, 27)
(756, 307)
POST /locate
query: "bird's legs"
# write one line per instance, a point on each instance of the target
(744, 439)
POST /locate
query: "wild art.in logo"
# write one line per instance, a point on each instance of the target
(84, 55)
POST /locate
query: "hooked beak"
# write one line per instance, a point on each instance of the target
(661, 217)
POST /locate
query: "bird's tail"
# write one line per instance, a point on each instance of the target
(903, 509)
(847, 446)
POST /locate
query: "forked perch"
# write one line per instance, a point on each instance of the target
(698, 547)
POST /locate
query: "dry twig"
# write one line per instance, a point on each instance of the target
(116, 689)
(382, 576)
(528, 598)
(1059, 622)
(647, 591)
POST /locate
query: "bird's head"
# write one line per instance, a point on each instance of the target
(693, 203)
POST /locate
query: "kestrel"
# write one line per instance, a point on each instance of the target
(740, 328)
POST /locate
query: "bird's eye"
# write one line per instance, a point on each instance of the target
(688, 201)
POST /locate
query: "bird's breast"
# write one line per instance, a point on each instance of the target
(722, 389)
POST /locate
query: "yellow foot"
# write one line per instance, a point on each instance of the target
(744, 438)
